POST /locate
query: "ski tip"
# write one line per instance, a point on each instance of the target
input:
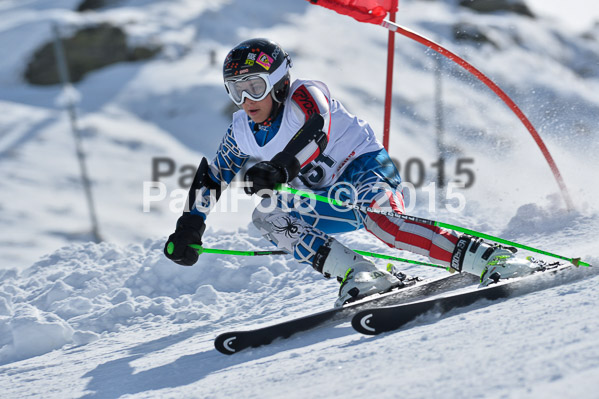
(225, 344)
(361, 323)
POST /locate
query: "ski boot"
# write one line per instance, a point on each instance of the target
(489, 262)
(358, 276)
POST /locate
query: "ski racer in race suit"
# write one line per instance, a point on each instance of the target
(300, 135)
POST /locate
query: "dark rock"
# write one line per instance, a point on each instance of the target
(488, 6)
(89, 5)
(89, 49)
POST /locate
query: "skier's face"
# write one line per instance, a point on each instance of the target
(259, 111)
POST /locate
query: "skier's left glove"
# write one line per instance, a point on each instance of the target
(265, 176)
(189, 230)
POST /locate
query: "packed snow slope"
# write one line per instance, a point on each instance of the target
(102, 321)
(116, 319)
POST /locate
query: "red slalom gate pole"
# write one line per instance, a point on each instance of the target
(389, 86)
(393, 27)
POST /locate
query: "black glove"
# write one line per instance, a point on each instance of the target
(189, 231)
(264, 175)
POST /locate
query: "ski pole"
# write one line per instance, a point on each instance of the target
(398, 259)
(202, 250)
(347, 204)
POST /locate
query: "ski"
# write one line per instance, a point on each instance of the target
(377, 320)
(234, 341)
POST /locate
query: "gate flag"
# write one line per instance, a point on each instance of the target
(370, 11)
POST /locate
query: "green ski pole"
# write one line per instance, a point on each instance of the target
(202, 250)
(331, 201)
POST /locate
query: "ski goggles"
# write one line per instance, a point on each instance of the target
(255, 87)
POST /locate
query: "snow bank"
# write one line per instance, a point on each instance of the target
(547, 218)
(83, 292)
(31, 332)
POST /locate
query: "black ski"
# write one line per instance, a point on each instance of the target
(235, 341)
(388, 318)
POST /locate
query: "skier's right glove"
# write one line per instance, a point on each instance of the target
(189, 230)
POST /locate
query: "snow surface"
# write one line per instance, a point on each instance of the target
(116, 319)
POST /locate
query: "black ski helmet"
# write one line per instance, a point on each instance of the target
(259, 56)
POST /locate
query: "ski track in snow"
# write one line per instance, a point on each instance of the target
(117, 319)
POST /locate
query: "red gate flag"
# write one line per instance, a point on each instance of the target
(371, 11)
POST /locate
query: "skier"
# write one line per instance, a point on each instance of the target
(300, 135)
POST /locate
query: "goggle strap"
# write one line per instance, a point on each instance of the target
(278, 73)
